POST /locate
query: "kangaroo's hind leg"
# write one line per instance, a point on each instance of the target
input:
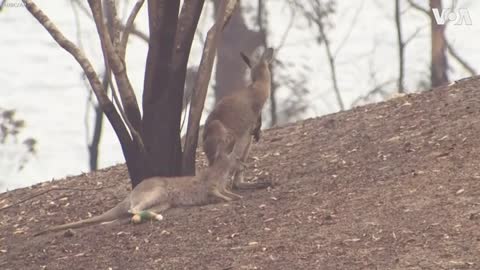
(147, 195)
(231, 194)
(217, 193)
(242, 149)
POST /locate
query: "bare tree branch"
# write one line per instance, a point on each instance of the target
(111, 51)
(111, 10)
(284, 37)
(136, 136)
(316, 14)
(138, 33)
(143, 36)
(460, 60)
(129, 27)
(378, 89)
(418, 7)
(401, 47)
(350, 29)
(117, 64)
(82, 7)
(92, 143)
(105, 103)
(331, 59)
(412, 36)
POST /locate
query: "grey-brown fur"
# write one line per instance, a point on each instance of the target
(240, 114)
(158, 194)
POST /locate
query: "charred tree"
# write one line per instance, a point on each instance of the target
(439, 64)
(150, 143)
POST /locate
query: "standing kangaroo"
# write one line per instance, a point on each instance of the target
(157, 194)
(240, 114)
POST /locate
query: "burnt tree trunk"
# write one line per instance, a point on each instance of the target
(157, 114)
(169, 48)
(151, 145)
(439, 64)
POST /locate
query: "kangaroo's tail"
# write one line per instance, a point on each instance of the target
(119, 211)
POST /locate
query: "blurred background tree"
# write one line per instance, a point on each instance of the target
(14, 151)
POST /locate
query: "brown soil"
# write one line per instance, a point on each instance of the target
(393, 185)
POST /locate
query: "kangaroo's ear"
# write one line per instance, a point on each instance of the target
(246, 59)
(268, 55)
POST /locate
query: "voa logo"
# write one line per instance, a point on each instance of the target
(459, 16)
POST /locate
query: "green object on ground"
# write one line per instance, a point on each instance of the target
(148, 215)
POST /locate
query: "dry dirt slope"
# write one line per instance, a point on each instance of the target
(393, 185)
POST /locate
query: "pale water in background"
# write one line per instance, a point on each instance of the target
(43, 82)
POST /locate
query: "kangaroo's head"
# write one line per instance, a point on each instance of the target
(259, 69)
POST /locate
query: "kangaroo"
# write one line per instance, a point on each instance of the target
(240, 114)
(219, 140)
(158, 194)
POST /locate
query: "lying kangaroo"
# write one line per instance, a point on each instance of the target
(158, 194)
(240, 114)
